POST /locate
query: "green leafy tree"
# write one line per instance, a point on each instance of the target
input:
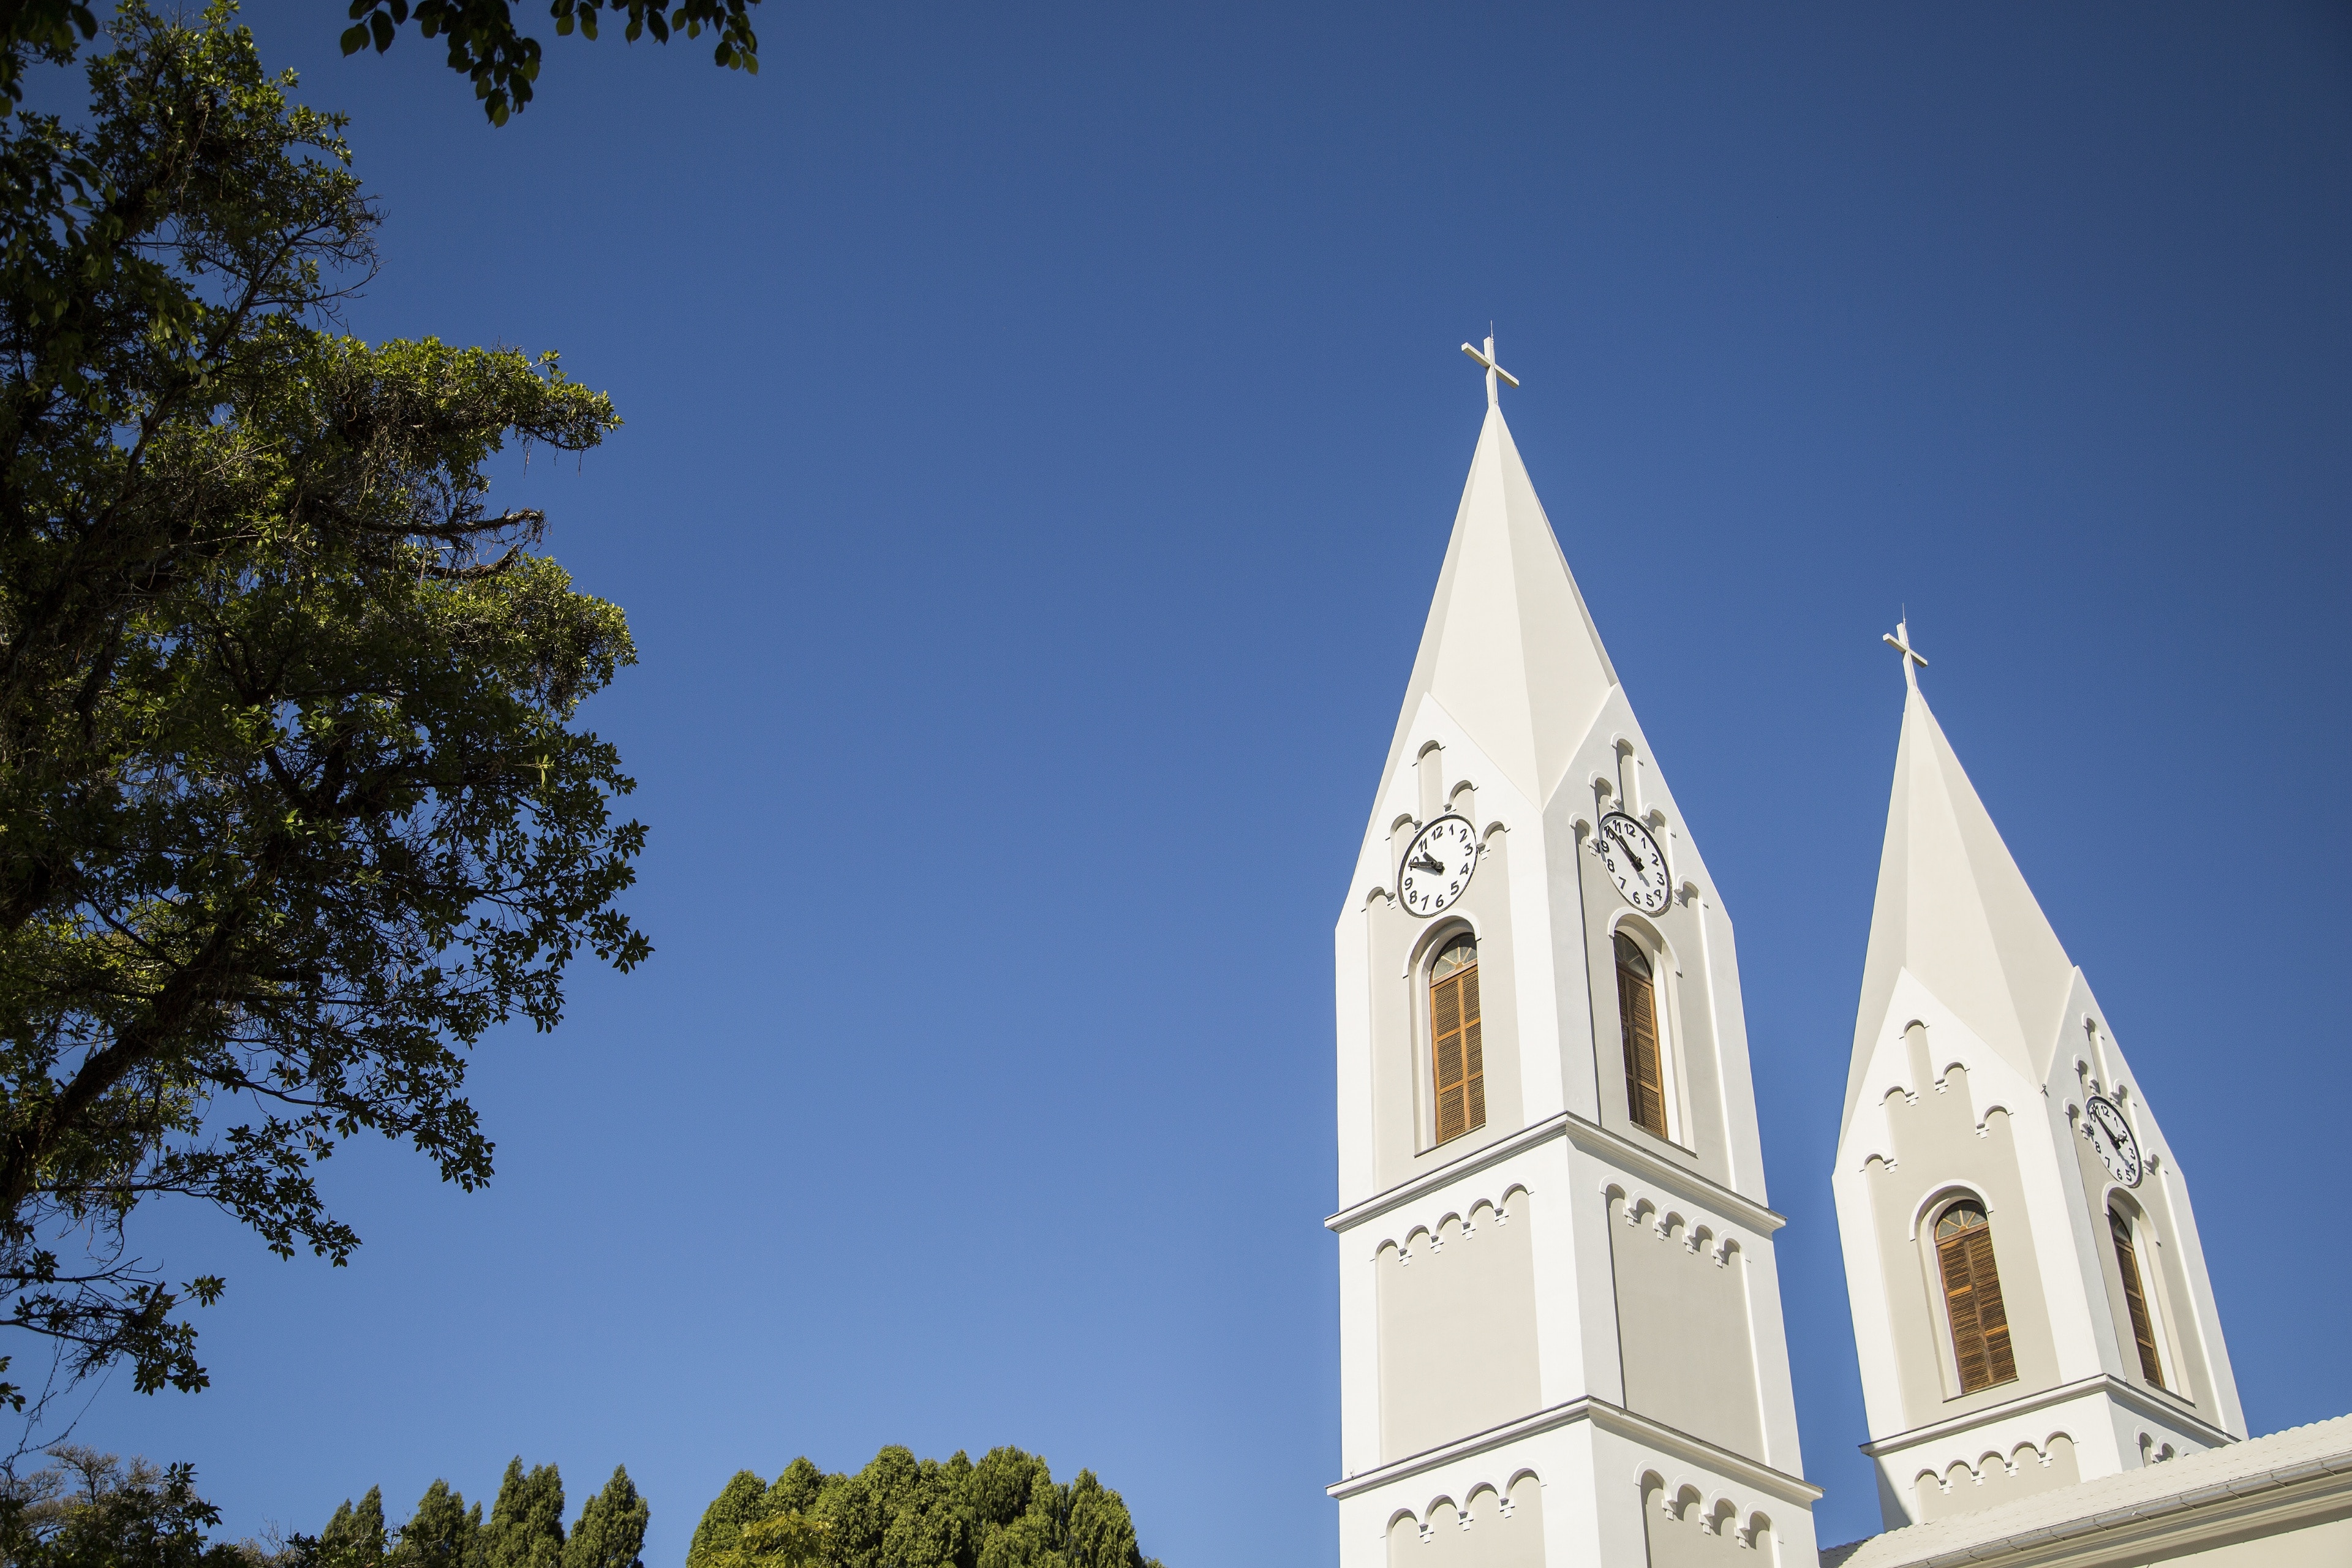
(292, 806)
(484, 43)
(503, 61)
(526, 1524)
(354, 1536)
(93, 1511)
(1097, 1529)
(1005, 1512)
(441, 1533)
(787, 1540)
(611, 1532)
(742, 1501)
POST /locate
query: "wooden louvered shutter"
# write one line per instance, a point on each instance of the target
(1458, 1054)
(1445, 1029)
(1637, 1016)
(1972, 1298)
(2134, 1303)
(1474, 1050)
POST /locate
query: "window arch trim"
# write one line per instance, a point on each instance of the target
(1941, 1196)
(1645, 932)
(1431, 942)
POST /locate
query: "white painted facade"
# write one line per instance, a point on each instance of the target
(1978, 1048)
(1561, 1339)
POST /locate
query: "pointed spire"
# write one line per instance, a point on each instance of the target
(1953, 909)
(1509, 648)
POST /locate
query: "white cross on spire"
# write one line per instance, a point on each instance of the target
(1494, 397)
(1899, 639)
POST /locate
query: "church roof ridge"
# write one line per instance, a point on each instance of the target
(2233, 1472)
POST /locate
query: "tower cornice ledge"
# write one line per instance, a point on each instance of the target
(2170, 1409)
(1592, 1139)
(1608, 1417)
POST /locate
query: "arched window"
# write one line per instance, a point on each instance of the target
(1972, 1297)
(1457, 1055)
(1637, 1014)
(2143, 1328)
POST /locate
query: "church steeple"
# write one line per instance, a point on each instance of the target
(2030, 1297)
(1954, 911)
(1560, 1319)
(1509, 648)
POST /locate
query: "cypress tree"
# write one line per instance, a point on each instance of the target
(612, 1528)
(526, 1526)
(354, 1536)
(1097, 1529)
(443, 1532)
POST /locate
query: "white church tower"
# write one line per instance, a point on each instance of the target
(2031, 1304)
(1560, 1326)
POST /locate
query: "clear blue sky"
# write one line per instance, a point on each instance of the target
(1044, 423)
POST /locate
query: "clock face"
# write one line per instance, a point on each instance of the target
(1438, 866)
(1635, 863)
(2111, 1135)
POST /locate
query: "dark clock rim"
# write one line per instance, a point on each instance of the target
(1425, 829)
(1644, 829)
(2139, 1159)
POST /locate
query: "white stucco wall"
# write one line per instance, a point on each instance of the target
(1458, 1325)
(1688, 1346)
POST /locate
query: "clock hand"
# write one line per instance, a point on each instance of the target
(1425, 863)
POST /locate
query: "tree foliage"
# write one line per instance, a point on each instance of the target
(441, 1533)
(354, 1536)
(524, 1530)
(503, 61)
(93, 1511)
(484, 43)
(526, 1526)
(611, 1532)
(292, 807)
(1005, 1512)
